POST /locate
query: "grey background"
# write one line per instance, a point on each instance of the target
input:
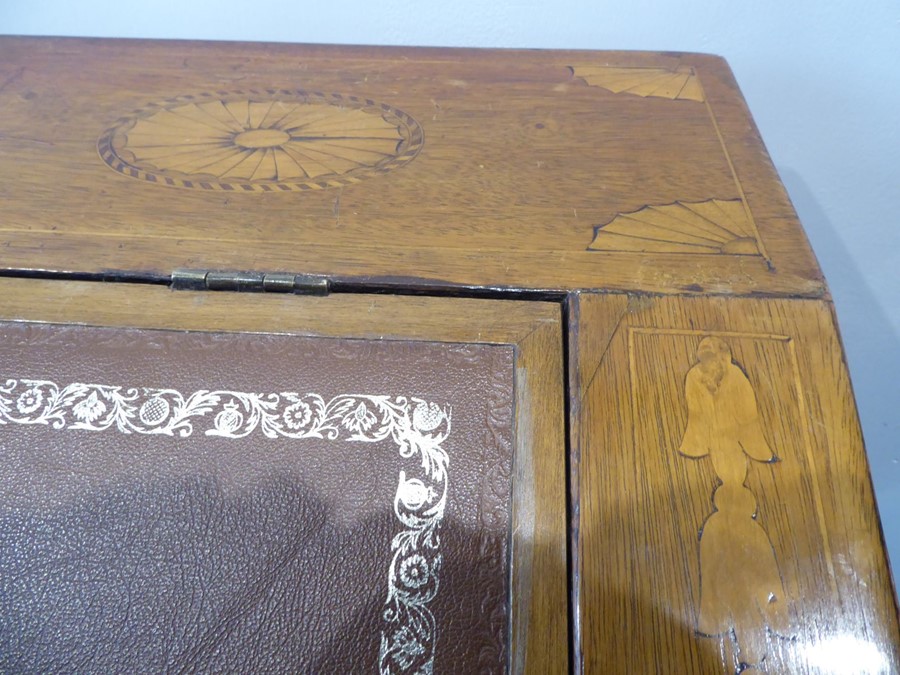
(821, 77)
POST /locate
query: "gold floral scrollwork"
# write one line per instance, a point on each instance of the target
(419, 428)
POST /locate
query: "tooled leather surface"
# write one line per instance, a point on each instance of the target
(127, 553)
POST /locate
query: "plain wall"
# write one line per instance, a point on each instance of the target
(822, 79)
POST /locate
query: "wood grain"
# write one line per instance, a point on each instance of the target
(711, 438)
(539, 585)
(725, 506)
(487, 169)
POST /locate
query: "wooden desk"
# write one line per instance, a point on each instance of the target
(718, 510)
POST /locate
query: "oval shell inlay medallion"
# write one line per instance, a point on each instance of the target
(261, 141)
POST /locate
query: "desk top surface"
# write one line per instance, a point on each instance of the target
(424, 168)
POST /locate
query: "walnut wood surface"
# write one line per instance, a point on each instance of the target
(396, 166)
(725, 509)
(539, 590)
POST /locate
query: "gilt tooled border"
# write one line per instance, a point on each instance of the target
(419, 429)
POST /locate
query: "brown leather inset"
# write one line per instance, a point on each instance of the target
(188, 502)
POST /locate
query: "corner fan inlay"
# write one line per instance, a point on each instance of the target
(681, 84)
(715, 226)
(261, 141)
(417, 427)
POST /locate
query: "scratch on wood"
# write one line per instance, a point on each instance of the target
(337, 206)
(26, 140)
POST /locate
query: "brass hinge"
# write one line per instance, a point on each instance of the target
(254, 282)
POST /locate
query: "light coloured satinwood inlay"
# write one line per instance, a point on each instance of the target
(679, 84)
(714, 226)
(742, 595)
(259, 141)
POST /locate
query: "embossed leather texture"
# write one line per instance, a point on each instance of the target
(201, 502)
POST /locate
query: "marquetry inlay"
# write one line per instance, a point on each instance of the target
(260, 141)
(714, 226)
(679, 84)
(741, 589)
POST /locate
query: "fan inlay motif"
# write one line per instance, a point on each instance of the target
(261, 141)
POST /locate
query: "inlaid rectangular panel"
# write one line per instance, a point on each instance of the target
(254, 501)
(725, 511)
(392, 166)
